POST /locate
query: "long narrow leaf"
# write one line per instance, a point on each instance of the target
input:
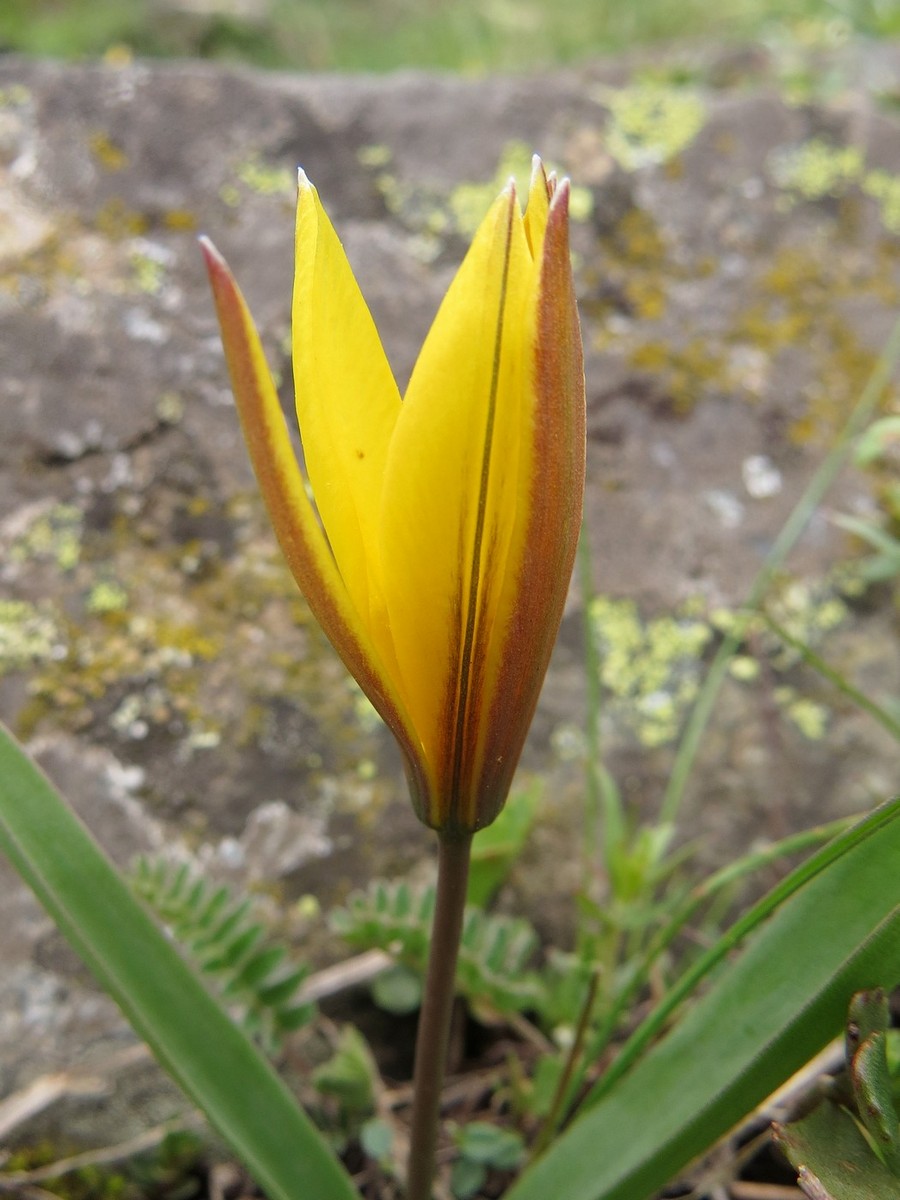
(769, 1012)
(193, 1039)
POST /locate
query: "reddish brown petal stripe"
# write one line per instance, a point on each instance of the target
(283, 487)
(554, 518)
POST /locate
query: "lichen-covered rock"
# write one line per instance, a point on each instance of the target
(738, 262)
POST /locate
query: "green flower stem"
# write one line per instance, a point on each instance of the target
(437, 1007)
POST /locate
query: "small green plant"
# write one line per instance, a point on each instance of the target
(884, 564)
(496, 953)
(217, 932)
(483, 1147)
(849, 1144)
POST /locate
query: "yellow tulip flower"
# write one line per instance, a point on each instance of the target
(437, 549)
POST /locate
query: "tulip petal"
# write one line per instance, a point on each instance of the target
(542, 551)
(451, 489)
(284, 490)
(347, 401)
(536, 210)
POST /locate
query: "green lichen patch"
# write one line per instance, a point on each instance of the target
(374, 155)
(651, 124)
(52, 536)
(651, 669)
(106, 596)
(15, 95)
(470, 201)
(819, 169)
(261, 178)
(808, 610)
(807, 715)
(433, 216)
(163, 644)
(29, 634)
(149, 263)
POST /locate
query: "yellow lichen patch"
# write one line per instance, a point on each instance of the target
(799, 309)
(105, 152)
(651, 124)
(635, 266)
(180, 220)
(684, 371)
(116, 220)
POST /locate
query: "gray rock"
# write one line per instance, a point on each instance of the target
(738, 278)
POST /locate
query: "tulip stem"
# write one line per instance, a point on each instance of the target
(437, 1008)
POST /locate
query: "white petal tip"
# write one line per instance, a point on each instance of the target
(302, 179)
(560, 194)
(210, 253)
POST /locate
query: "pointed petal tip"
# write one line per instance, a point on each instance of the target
(302, 179)
(561, 194)
(214, 260)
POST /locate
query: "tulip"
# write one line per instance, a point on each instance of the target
(435, 538)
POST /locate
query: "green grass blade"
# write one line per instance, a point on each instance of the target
(191, 1036)
(813, 494)
(844, 686)
(770, 1011)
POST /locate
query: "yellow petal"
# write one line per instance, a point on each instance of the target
(451, 487)
(539, 194)
(542, 549)
(299, 533)
(347, 400)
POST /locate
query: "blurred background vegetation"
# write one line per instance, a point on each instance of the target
(472, 36)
